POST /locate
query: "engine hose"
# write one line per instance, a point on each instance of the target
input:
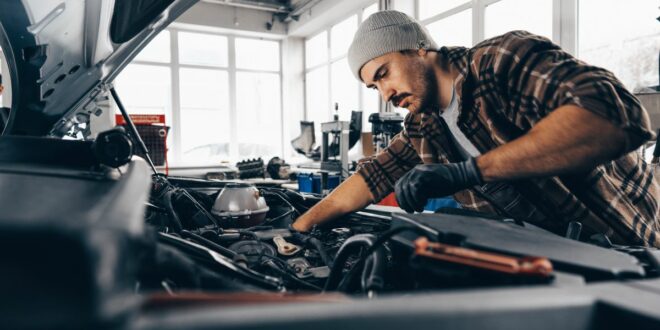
(374, 268)
(174, 218)
(318, 245)
(349, 247)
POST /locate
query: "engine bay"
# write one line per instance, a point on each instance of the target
(361, 254)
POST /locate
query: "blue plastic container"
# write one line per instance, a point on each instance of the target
(311, 183)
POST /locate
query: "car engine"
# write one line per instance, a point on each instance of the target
(256, 246)
(239, 235)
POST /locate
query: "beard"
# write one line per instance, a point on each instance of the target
(424, 89)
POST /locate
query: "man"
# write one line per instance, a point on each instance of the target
(513, 126)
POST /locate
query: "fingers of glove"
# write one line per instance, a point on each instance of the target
(412, 196)
(417, 198)
(399, 191)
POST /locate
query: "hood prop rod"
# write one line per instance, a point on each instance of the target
(131, 128)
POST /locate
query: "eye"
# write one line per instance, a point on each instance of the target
(382, 74)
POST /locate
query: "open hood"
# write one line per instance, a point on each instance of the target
(62, 54)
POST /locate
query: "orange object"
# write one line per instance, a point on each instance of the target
(527, 266)
(153, 131)
(141, 119)
(389, 200)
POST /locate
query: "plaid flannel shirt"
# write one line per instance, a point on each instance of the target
(506, 85)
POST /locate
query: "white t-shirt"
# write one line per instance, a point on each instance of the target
(462, 143)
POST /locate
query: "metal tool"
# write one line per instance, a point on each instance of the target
(285, 248)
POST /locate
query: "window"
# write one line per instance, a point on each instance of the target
(204, 115)
(508, 15)
(341, 36)
(146, 89)
(317, 102)
(369, 11)
(256, 54)
(158, 50)
(316, 50)
(455, 30)
(328, 79)
(203, 49)
(430, 8)
(345, 89)
(210, 120)
(259, 118)
(623, 37)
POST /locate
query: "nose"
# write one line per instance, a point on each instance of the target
(386, 92)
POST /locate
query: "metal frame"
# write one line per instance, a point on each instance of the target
(175, 65)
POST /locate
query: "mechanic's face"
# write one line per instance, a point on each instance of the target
(405, 79)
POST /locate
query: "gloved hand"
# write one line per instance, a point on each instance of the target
(434, 180)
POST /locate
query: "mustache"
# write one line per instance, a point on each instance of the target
(396, 99)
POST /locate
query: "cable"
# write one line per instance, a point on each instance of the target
(346, 250)
(283, 198)
(174, 218)
(209, 244)
(281, 216)
(374, 245)
(319, 247)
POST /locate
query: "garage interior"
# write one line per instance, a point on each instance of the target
(152, 176)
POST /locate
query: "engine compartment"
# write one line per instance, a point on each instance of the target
(275, 257)
(369, 252)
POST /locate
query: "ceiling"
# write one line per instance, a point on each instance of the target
(284, 10)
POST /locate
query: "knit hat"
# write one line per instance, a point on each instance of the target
(385, 32)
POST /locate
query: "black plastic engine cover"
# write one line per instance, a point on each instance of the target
(590, 261)
(68, 239)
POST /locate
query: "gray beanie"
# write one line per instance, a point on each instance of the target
(385, 32)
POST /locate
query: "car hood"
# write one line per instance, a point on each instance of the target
(62, 54)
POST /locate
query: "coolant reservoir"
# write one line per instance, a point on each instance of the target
(239, 205)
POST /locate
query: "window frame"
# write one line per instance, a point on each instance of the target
(175, 154)
(564, 20)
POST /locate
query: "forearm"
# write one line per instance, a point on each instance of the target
(353, 194)
(568, 140)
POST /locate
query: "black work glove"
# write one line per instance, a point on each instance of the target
(434, 180)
